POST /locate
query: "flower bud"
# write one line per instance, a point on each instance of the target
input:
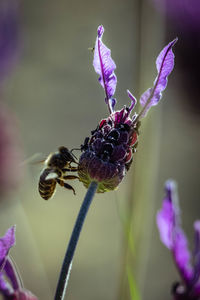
(108, 153)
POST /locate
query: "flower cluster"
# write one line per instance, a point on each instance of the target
(10, 282)
(108, 153)
(173, 237)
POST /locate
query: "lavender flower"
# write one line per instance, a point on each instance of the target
(185, 14)
(10, 152)
(9, 36)
(173, 237)
(10, 283)
(108, 153)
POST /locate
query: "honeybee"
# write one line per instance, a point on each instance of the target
(56, 166)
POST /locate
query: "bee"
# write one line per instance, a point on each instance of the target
(56, 166)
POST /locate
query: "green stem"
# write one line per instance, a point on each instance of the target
(67, 263)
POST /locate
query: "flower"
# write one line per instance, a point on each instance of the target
(185, 14)
(9, 36)
(10, 283)
(10, 152)
(107, 155)
(173, 237)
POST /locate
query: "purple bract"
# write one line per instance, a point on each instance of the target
(104, 66)
(173, 237)
(10, 283)
(164, 65)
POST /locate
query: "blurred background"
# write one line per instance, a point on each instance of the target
(50, 96)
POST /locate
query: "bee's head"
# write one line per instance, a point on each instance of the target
(67, 155)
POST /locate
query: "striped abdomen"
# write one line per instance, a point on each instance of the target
(46, 187)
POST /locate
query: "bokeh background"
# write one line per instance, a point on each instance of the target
(52, 98)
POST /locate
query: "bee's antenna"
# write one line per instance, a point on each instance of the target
(73, 153)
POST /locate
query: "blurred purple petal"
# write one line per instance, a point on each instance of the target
(196, 255)
(11, 273)
(165, 223)
(184, 14)
(24, 295)
(10, 152)
(171, 233)
(168, 216)
(182, 255)
(5, 287)
(104, 66)
(6, 242)
(9, 36)
(164, 65)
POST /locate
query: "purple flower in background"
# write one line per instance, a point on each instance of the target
(184, 13)
(10, 152)
(9, 36)
(10, 283)
(108, 153)
(173, 237)
(182, 18)
(6, 242)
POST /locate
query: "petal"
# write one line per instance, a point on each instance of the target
(164, 65)
(12, 274)
(5, 287)
(6, 242)
(196, 255)
(165, 223)
(168, 216)
(24, 295)
(104, 65)
(182, 255)
(171, 233)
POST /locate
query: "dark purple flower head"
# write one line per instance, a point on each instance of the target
(173, 237)
(10, 283)
(108, 153)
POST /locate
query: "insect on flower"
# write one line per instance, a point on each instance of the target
(56, 166)
(108, 153)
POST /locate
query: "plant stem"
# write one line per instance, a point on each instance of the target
(67, 263)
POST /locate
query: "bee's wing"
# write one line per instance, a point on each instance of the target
(31, 160)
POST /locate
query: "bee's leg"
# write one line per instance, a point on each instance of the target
(69, 177)
(66, 185)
